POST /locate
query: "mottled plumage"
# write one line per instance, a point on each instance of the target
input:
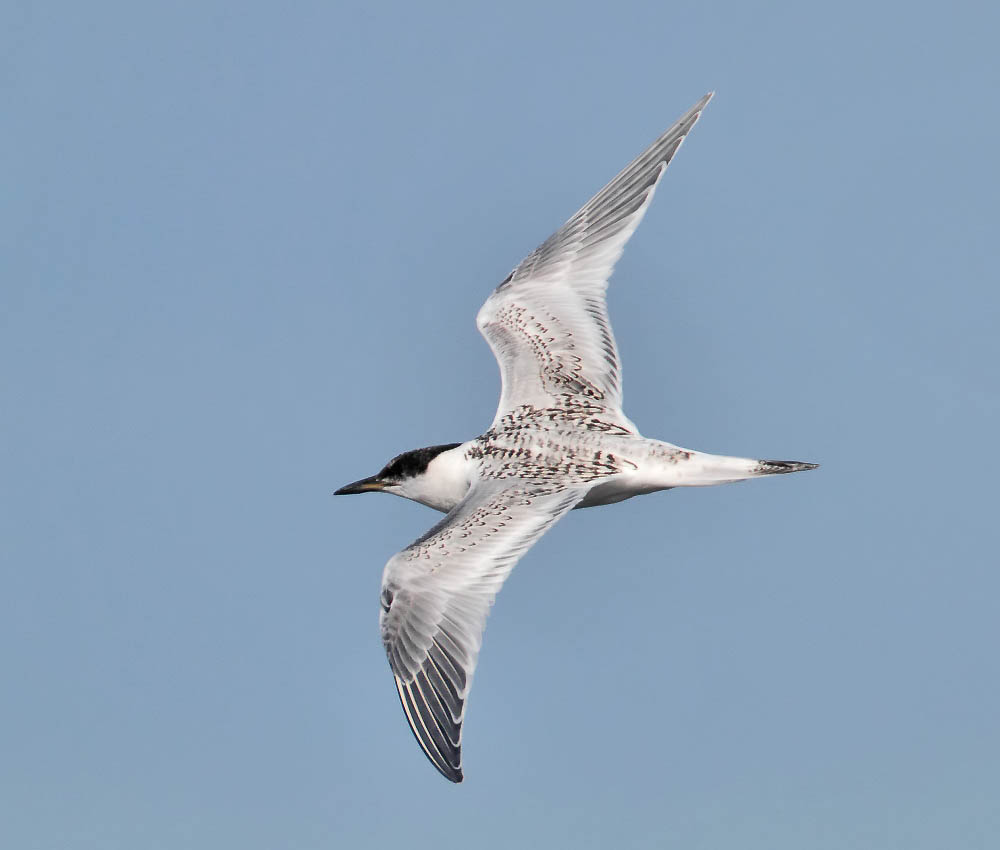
(559, 441)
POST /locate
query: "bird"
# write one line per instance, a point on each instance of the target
(559, 441)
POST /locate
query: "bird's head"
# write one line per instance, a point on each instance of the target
(413, 475)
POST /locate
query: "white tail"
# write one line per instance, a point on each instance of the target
(703, 470)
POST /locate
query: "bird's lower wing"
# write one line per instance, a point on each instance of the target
(437, 593)
(548, 323)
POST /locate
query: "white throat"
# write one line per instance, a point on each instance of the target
(444, 484)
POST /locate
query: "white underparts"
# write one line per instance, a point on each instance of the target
(644, 466)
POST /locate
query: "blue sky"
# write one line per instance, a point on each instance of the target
(242, 251)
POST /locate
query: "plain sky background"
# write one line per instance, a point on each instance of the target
(241, 250)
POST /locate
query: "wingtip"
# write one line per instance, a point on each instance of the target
(694, 113)
(449, 771)
(447, 760)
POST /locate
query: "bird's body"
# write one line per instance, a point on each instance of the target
(617, 464)
(559, 441)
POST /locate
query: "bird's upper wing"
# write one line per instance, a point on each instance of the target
(437, 592)
(548, 323)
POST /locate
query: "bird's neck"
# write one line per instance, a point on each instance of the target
(445, 482)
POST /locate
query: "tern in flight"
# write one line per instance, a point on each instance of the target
(559, 441)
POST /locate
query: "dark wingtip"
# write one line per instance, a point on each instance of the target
(779, 467)
(442, 752)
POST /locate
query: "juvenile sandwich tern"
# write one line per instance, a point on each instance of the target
(559, 441)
